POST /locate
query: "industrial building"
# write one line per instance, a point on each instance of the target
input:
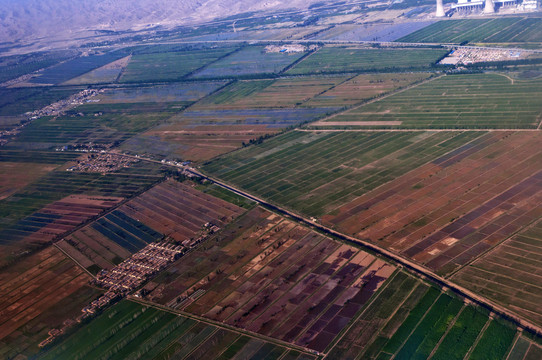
(483, 6)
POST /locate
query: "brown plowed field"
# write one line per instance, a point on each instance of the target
(37, 294)
(448, 212)
(272, 276)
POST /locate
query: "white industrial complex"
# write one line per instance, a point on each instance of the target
(484, 6)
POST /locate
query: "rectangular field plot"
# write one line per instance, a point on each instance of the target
(104, 124)
(170, 209)
(37, 294)
(130, 330)
(281, 93)
(58, 184)
(12, 67)
(510, 274)
(352, 59)
(248, 61)
(364, 87)
(108, 73)
(201, 134)
(274, 277)
(18, 101)
(169, 66)
(73, 68)
(449, 211)
(503, 30)
(371, 32)
(475, 101)
(191, 91)
(16, 175)
(315, 173)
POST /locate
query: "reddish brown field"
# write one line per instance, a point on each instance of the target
(272, 276)
(449, 211)
(16, 175)
(37, 294)
(170, 208)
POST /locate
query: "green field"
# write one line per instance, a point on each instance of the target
(476, 101)
(496, 30)
(132, 331)
(346, 59)
(317, 172)
(17, 101)
(169, 66)
(249, 61)
(409, 320)
(96, 123)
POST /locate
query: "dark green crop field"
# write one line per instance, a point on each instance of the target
(132, 331)
(475, 101)
(351, 59)
(317, 172)
(169, 66)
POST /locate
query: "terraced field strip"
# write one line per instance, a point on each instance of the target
(477, 101)
(496, 30)
(338, 59)
(315, 173)
(169, 209)
(129, 329)
(510, 273)
(449, 211)
(38, 294)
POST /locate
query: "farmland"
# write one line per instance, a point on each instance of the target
(39, 293)
(316, 172)
(17, 175)
(476, 101)
(177, 92)
(198, 135)
(169, 66)
(58, 184)
(131, 330)
(352, 59)
(449, 211)
(496, 30)
(108, 73)
(169, 209)
(266, 269)
(75, 67)
(98, 124)
(14, 66)
(247, 61)
(20, 100)
(509, 274)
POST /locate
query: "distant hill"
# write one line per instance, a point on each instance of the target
(30, 19)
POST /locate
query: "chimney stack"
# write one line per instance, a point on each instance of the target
(490, 7)
(440, 9)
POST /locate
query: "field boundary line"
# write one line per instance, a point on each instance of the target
(413, 129)
(74, 261)
(480, 335)
(465, 305)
